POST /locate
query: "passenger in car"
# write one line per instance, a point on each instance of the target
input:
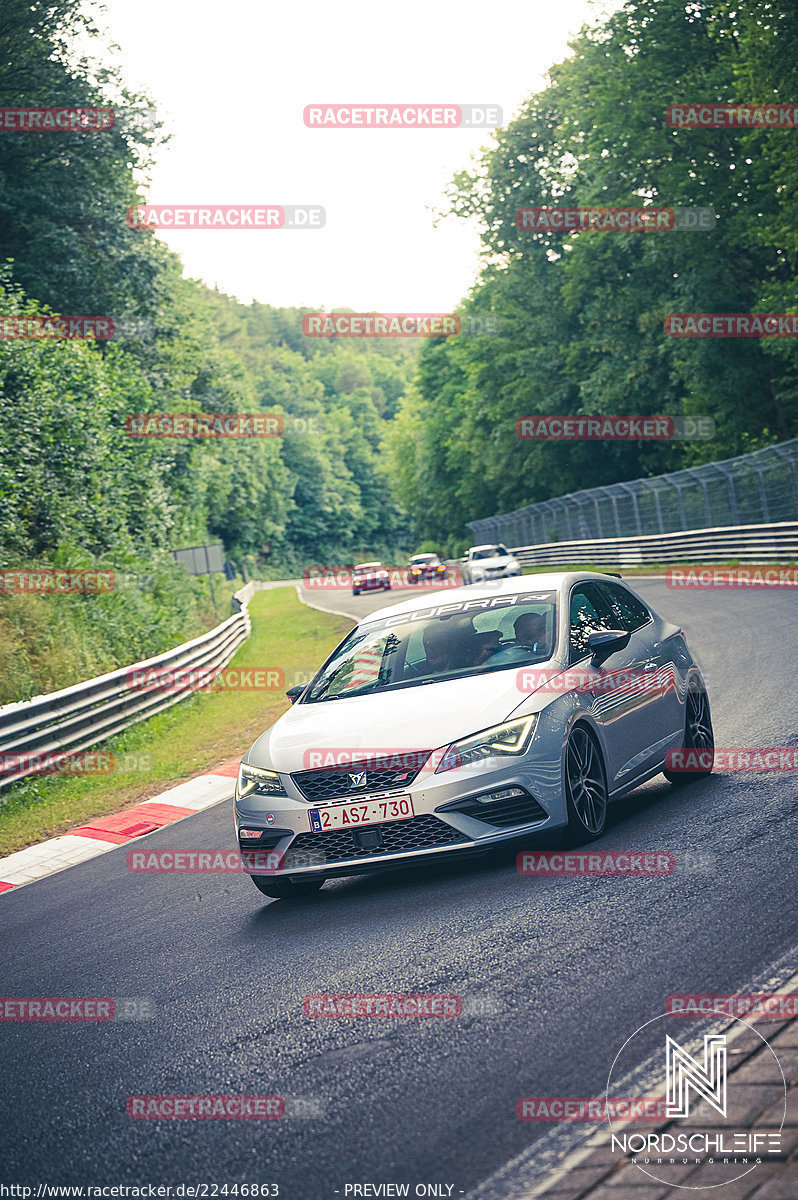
(441, 648)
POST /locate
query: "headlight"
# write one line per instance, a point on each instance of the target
(512, 738)
(256, 779)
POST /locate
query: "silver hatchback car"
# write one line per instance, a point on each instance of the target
(449, 723)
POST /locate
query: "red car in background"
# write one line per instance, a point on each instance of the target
(370, 577)
(425, 566)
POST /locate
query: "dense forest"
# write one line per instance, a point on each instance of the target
(70, 476)
(384, 445)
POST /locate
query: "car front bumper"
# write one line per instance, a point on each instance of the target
(371, 584)
(480, 575)
(450, 818)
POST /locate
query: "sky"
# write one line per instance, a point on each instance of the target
(231, 81)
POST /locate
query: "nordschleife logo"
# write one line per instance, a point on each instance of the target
(708, 1080)
(708, 1136)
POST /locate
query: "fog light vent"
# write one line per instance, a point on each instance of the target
(505, 794)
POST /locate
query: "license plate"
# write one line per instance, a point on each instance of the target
(366, 812)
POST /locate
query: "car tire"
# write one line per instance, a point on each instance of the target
(387, 587)
(355, 591)
(698, 735)
(287, 888)
(586, 795)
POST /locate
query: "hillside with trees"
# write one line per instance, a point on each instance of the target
(580, 315)
(385, 444)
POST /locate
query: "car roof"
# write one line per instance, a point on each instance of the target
(412, 556)
(486, 546)
(555, 581)
(361, 566)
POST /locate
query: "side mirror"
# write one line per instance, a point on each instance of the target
(294, 693)
(606, 642)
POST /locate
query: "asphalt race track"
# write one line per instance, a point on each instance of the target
(555, 973)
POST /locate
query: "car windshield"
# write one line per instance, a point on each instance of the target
(419, 559)
(489, 552)
(447, 641)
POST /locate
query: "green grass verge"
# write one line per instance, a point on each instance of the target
(645, 568)
(192, 737)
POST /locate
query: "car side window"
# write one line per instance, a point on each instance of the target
(590, 611)
(632, 613)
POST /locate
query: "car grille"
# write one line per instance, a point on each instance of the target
(336, 845)
(518, 810)
(381, 775)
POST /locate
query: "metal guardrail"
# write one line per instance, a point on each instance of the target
(78, 717)
(756, 488)
(746, 543)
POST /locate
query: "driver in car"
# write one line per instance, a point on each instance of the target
(530, 631)
(530, 641)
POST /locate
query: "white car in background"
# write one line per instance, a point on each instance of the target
(489, 562)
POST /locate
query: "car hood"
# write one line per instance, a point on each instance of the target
(421, 717)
